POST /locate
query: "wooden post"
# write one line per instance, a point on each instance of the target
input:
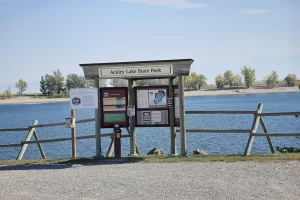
(111, 148)
(137, 150)
(39, 145)
(182, 116)
(253, 130)
(97, 125)
(28, 137)
(73, 134)
(132, 119)
(262, 122)
(172, 118)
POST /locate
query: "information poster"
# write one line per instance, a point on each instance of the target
(152, 98)
(152, 118)
(114, 103)
(151, 106)
(84, 98)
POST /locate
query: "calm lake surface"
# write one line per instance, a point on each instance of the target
(13, 116)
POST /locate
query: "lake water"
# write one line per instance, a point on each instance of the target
(12, 116)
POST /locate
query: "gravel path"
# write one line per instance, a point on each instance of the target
(238, 180)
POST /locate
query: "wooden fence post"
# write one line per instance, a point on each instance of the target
(39, 145)
(110, 148)
(266, 131)
(253, 130)
(28, 137)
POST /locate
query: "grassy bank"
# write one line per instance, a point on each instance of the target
(161, 159)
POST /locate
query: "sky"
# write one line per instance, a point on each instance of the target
(39, 36)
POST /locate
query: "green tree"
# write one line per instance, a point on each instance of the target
(22, 86)
(7, 93)
(197, 81)
(143, 82)
(50, 84)
(119, 82)
(220, 81)
(249, 76)
(43, 87)
(271, 79)
(188, 82)
(201, 81)
(229, 79)
(194, 80)
(290, 79)
(75, 81)
(58, 81)
(237, 80)
(102, 83)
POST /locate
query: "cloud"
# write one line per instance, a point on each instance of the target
(256, 11)
(179, 4)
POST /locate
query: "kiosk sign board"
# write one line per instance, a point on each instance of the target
(151, 106)
(136, 71)
(84, 98)
(114, 102)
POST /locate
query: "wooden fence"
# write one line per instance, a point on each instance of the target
(257, 114)
(258, 118)
(32, 131)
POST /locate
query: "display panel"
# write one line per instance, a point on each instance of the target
(151, 97)
(151, 106)
(84, 98)
(152, 117)
(114, 103)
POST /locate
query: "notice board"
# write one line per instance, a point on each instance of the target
(84, 98)
(114, 101)
(151, 106)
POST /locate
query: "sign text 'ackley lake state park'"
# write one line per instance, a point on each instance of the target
(155, 70)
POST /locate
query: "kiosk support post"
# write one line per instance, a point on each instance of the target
(73, 134)
(97, 125)
(131, 119)
(182, 116)
(172, 113)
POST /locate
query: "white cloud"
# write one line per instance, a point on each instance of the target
(180, 4)
(256, 11)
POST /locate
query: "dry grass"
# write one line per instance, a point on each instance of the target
(161, 159)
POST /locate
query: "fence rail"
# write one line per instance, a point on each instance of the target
(257, 114)
(32, 131)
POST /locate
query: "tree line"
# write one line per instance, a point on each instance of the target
(229, 80)
(194, 81)
(56, 85)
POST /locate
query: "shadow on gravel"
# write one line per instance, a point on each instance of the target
(34, 167)
(72, 163)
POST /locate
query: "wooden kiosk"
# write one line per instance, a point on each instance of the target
(138, 70)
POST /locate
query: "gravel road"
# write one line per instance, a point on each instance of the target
(217, 180)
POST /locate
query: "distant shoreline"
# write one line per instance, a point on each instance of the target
(30, 100)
